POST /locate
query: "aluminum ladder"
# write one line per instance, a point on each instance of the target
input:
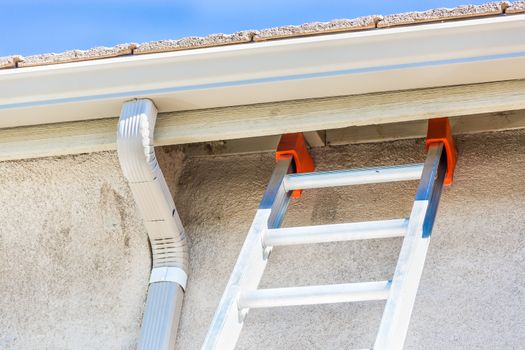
(292, 174)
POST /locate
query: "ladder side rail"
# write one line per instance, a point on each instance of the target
(398, 308)
(249, 268)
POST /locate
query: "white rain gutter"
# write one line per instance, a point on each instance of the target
(411, 57)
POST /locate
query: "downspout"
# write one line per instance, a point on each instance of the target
(168, 243)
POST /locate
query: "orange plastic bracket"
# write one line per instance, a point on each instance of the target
(439, 131)
(294, 145)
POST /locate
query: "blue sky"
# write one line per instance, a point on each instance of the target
(30, 27)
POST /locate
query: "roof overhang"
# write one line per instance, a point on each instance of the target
(412, 57)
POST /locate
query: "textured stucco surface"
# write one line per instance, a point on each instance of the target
(74, 256)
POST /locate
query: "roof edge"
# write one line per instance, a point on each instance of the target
(430, 55)
(371, 22)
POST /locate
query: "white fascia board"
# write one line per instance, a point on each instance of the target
(412, 57)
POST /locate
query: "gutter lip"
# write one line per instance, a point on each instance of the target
(319, 70)
(419, 28)
(274, 79)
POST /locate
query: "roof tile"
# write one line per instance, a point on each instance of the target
(442, 14)
(313, 28)
(195, 42)
(77, 55)
(9, 61)
(516, 7)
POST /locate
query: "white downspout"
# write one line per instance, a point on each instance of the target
(166, 234)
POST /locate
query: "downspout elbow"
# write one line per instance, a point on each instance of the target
(170, 258)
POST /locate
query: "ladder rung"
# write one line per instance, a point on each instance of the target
(326, 294)
(302, 181)
(337, 232)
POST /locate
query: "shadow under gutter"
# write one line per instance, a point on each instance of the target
(170, 258)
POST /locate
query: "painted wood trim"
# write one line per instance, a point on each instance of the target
(227, 123)
(418, 128)
(315, 138)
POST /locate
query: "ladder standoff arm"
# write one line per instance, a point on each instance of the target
(295, 145)
(166, 234)
(439, 131)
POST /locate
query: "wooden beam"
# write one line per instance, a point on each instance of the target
(366, 134)
(418, 128)
(315, 138)
(269, 119)
(236, 146)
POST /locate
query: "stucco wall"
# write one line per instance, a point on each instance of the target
(74, 255)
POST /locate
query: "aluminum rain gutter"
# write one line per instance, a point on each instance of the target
(412, 57)
(166, 233)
